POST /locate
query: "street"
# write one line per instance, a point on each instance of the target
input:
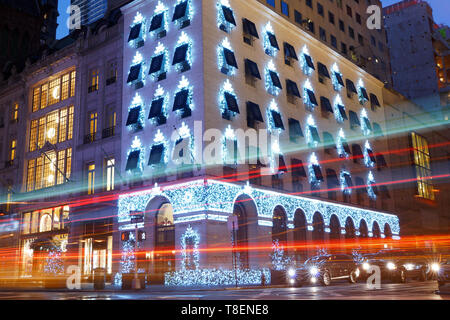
(413, 290)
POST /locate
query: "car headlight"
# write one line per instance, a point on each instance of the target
(314, 271)
(409, 266)
(391, 266)
(291, 272)
(435, 267)
(365, 266)
(357, 272)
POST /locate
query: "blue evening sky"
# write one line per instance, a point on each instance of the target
(441, 13)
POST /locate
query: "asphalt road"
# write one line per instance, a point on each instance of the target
(413, 290)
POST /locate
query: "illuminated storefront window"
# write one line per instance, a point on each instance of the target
(54, 91)
(423, 166)
(45, 220)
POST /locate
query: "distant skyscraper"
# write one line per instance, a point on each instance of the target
(91, 10)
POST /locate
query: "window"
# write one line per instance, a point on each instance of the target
(45, 220)
(15, 112)
(156, 154)
(49, 169)
(289, 53)
(109, 173)
(351, 32)
(341, 26)
(271, 3)
(422, 162)
(93, 119)
(181, 58)
(320, 9)
(311, 27)
(298, 17)
(360, 39)
(358, 17)
(91, 178)
(157, 111)
(309, 3)
(253, 114)
(134, 74)
(182, 14)
(54, 91)
(333, 41)
(227, 17)
(93, 80)
(349, 11)
(251, 70)
(12, 150)
(295, 130)
(135, 33)
(110, 122)
(112, 73)
(330, 17)
(292, 88)
(322, 34)
(54, 127)
(250, 31)
(133, 160)
(284, 8)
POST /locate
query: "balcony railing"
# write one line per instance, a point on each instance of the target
(108, 132)
(89, 138)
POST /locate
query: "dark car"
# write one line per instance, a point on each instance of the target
(399, 265)
(443, 276)
(324, 269)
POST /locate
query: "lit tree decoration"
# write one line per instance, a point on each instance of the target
(160, 93)
(337, 113)
(138, 19)
(189, 13)
(226, 88)
(127, 262)
(138, 102)
(334, 72)
(279, 261)
(190, 259)
(222, 23)
(309, 137)
(137, 146)
(365, 123)
(273, 106)
(53, 262)
(360, 88)
(221, 60)
(312, 175)
(367, 158)
(308, 103)
(370, 182)
(268, 48)
(165, 65)
(307, 70)
(182, 40)
(270, 86)
(161, 9)
(344, 186)
(340, 144)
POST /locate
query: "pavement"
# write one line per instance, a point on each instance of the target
(413, 290)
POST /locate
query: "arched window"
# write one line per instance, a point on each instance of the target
(376, 230)
(45, 224)
(363, 230)
(349, 229)
(279, 228)
(335, 227)
(387, 231)
(318, 228)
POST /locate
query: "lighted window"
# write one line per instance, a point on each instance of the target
(15, 112)
(93, 119)
(91, 178)
(112, 73)
(110, 168)
(13, 148)
(93, 83)
(54, 91)
(422, 162)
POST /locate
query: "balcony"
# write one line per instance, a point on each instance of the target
(89, 138)
(108, 132)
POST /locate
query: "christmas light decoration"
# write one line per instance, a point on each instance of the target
(227, 88)
(340, 144)
(370, 182)
(335, 73)
(278, 258)
(164, 115)
(137, 146)
(344, 185)
(272, 79)
(165, 64)
(310, 126)
(186, 64)
(271, 125)
(137, 102)
(158, 140)
(164, 27)
(368, 155)
(269, 34)
(222, 22)
(361, 92)
(307, 70)
(337, 113)
(139, 38)
(185, 85)
(191, 236)
(53, 262)
(313, 162)
(182, 21)
(365, 123)
(306, 96)
(224, 67)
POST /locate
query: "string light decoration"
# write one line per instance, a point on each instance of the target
(269, 48)
(307, 70)
(53, 262)
(370, 183)
(335, 74)
(362, 93)
(222, 22)
(164, 27)
(229, 137)
(184, 133)
(368, 155)
(138, 59)
(191, 256)
(271, 124)
(165, 64)
(306, 99)
(183, 21)
(186, 64)
(222, 63)
(137, 146)
(278, 258)
(313, 162)
(272, 79)
(227, 88)
(217, 277)
(310, 125)
(337, 113)
(340, 144)
(344, 185)
(159, 139)
(137, 102)
(164, 115)
(142, 35)
(365, 123)
(185, 85)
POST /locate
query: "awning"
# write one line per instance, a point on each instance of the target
(289, 51)
(275, 79)
(180, 11)
(314, 133)
(252, 68)
(292, 88)
(156, 64)
(354, 120)
(377, 129)
(348, 180)
(374, 100)
(356, 150)
(281, 164)
(295, 130)
(231, 101)
(181, 100)
(311, 97)
(278, 122)
(156, 108)
(180, 54)
(309, 61)
(230, 58)
(298, 169)
(364, 93)
(156, 154)
(157, 22)
(253, 112)
(250, 28)
(317, 172)
(328, 140)
(339, 78)
(332, 179)
(323, 71)
(273, 40)
(229, 15)
(133, 115)
(350, 86)
(342, 112)
(135, 32)
(134, 73)
(325, 104)
(381, 161)
(133, 159)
